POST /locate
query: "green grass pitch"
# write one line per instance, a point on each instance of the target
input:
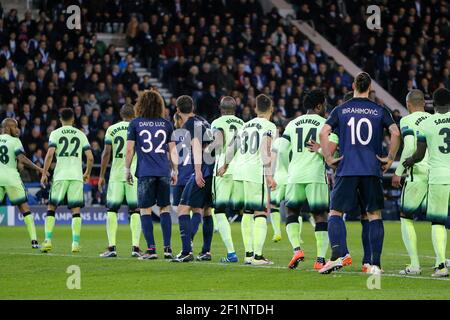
(28, 274)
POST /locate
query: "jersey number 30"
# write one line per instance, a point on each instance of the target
(356, 130)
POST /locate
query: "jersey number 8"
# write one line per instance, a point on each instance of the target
(4, 158)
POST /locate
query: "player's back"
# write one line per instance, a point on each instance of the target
(10, 147)
(359, 124)
(151, 138)
(116, 136)
(185, 164)
(229, 125)
(410, 126)
(69, 143)
(305, 166)
(436, 129)
(249, 159)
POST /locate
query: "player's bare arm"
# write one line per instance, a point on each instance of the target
(314, 146)
(128, 159)
(393, 148)
(327, 150)
(229, 156)
(47, 164)
(197, 156)
(408, 150)
(174, 159)
(106, 156)
(266, 156)
(89, 164)
(28, 163)
(417, 156)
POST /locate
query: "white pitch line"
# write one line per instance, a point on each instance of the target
(393, 275)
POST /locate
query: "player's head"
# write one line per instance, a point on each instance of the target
(315, 101)
(362, 82)
(227, 105)
(264, 105)
(149, 105)
(67, 116)
(415, 100)
(185, 104)
(177, 120)
(348, 96)
(127, 112)
(441, 100)
(10, 126)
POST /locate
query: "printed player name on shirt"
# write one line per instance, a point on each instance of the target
(442, 121)
(308, 121)
(118, 129)
(231, 120)
(419, 120)
(152, 124)
(356, 110)
(69, 131)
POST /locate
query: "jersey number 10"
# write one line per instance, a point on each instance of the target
(356, 130)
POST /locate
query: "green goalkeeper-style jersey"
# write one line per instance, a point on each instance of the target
(229, 125)
(10, 148)
(409, 126)
(70, 143)
(436, 131)
(281, 172)
(116, 137)
(249, 162)
(305, 166)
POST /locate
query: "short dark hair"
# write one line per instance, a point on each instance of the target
(362, 82)
(228, 103)
(67, 114)
(313, 98)
(127, 111)
(263, 103)
(441, 97)
(185, 104)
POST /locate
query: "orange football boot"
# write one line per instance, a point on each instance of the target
(299, 256)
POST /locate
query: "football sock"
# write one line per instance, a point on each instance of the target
(410, 240)
(376, 236)
(292, 230)
(76, 227)
(439, 238)
(275, 219)
(335, 236)
(247, 231)
(195, 223)
(367, 258)
(185, 233)
(29, 222)
(208, 231)
(49, 224)
(300, 227)
(166, 227)
(147, 230)
(259, 234)
(343, 237)
(225, 231)
(111, 227)
(321, 233)
(135, 227)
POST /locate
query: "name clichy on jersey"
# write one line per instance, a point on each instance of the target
(360, 111)
(69, 131)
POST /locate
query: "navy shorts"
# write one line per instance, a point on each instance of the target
(153, 190)
(350, 192)
(196, 197)
(176, 191)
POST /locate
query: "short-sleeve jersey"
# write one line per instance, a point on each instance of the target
(151, 137)
(249, 165)
(70, 143)
(359, 124)
(409, 126)
(116, 137)
(198, 128)
(229, 125)
(305, 166)
(185, 164)
(436, 131)
(10, 148)
(281, 170)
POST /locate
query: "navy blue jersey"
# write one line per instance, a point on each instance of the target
(197, 127)
(151, 137)
(185, 163)
(360, 124)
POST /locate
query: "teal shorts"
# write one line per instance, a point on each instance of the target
(250, 196)
(278, 195)
(222, 193)
(438, 203)
(316, 195)
(67, 192)
(17, 194)
(414, 196)
(121, 193)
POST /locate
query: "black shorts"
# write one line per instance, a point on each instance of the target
(196, 197)
(176, 191)
(153, 190)
(350, 192)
